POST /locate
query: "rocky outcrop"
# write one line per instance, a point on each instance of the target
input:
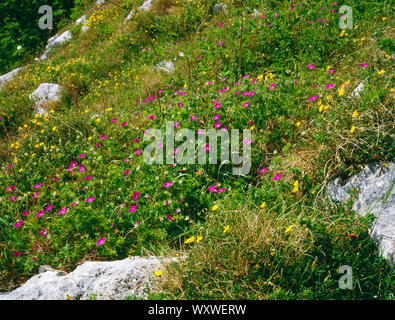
(44, 93)
(167, 66)
(219, 8)
(146, 5)
(8, 76)
(101, 280)
(375, 194)
(55, 41)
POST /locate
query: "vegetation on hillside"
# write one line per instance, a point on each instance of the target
(74, 185)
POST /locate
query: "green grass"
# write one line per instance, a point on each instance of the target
(109, 72)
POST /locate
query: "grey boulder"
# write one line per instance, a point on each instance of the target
(44, 93)
(102, 280)
(375, 194)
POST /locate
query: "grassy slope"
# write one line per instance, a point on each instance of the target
(111, 89)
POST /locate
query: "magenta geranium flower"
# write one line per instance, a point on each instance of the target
(277, 177)
(133, 208)
(168, 184)
(62, 211)
(49, 207)
(135, 195)
(101, 241)
(212, 188)
(18, 224)
(90, 199)
(310, 66)
(40, 214)
(262, 170)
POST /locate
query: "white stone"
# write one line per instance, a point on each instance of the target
(106, 280)
(44, 93)
(9, 76)
(55, 41)
(219, 8)
(167, 66)
(358, 90)
(129, 16)
(80, 20)
(376, 194)
(146, 5)
(85, 28)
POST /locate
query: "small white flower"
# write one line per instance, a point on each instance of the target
(19, 47)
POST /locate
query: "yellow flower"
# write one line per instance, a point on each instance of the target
(263, 204)
(198, 239)
(158, 273)
(54, 128)
(226, 228)
(298, 123)
(289, 229)
(214, 208)
(355, 114)
(381, 72)
(341, 91)
(191, 239)
(296, 186)
(352, 129)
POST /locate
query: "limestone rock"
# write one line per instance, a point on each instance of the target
(55, 41)
(106, 280)
(376, 194)
(220, 8)
(8, 76)
(146, 5)
(44, 93)
(167, 66)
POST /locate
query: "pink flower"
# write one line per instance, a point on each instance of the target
(38, 186)
(18, 224)
(13, 198)
(364, 65)
(90, 199)
(126, 172)
(168, 184)
(81, 156)
(277, 177)
(220, 190)
(135, 195)
(16, 253)
(329, 86)
(263, 170)
(40, 214)
(247, 142)
(310, 66)
(62, 211)
(133, 208)
(88, 178)
(25, 213)
(193, 118)
(217, 125)
(169, 217)
(212, 188)
(138, 151)
(100, 241)
(49, 207)
(312, 98)
(10, 188)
